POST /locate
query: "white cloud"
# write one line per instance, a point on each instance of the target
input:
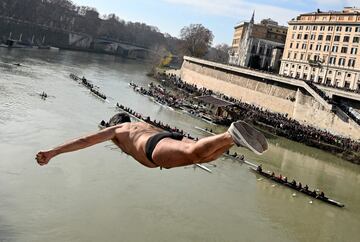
(239, 9)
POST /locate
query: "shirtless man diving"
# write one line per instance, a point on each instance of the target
(153, 147)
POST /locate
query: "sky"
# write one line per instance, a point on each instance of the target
(220, 16)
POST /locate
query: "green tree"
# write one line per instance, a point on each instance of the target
(196, 40)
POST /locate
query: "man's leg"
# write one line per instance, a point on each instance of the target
(216, 154)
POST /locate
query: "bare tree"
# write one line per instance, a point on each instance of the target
(196, 40)
(220, 53)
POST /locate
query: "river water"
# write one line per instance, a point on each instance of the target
(101, 194)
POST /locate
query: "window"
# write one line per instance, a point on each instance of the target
(306, 36)
(318, 47)
(337, 38)
(303, 46)
(314, 27)
(332, 60)
(347, 85)
(344, 50)
(320, 37)
(295, 55)
(307, 27)
(341, 62)
(322, 28)
(294, 27)
(356, 40)
(338, 28)
(311, 46)
(297, 45)
(353, 51)
(330, 28)
(291, 45)
(301, 56)
(293, 36)
(312, 37)
(349, 75)
(326, 48)
(335, 48)
(348, 29)
(299, 36)
(328, 37)
(289, 54)
(301, 27)
(351, 63)
(346, 39)
(357, 29)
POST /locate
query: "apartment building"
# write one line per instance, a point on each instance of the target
(324, 47)
(253, 44)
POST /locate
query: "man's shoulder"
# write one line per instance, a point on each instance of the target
(126, 127)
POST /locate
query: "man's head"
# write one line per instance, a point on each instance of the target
(119, 118)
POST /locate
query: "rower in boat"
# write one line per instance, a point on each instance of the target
(314, 193)
(242, 157)
(259, 168)
(272, 174)
(43, 95)
(300, 186)
(322, 195)
(285, 179)
(293, 182)
(306, 188)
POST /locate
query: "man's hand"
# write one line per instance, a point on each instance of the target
(43, 157)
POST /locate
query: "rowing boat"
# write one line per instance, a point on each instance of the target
(295, 187)
(98, 96)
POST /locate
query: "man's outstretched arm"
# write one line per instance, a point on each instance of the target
(43, 157)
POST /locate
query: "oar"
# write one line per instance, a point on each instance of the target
(203, 167)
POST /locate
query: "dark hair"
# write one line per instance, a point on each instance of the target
(119, 118)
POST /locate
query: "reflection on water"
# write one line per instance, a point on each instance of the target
(100, 194)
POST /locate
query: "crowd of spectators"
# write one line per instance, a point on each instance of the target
(281, 124)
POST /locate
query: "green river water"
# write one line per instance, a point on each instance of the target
(101, 194)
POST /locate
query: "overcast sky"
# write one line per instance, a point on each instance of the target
(220, 16)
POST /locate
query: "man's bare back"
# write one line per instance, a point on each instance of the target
(131, 138)
(152, 147)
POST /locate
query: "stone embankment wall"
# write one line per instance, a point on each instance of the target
(283, 98)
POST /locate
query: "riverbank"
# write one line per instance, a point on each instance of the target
(275, 123)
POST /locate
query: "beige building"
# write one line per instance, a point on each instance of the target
(324, 47)
(253, 44)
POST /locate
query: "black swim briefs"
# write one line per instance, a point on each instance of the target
(155, 139)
